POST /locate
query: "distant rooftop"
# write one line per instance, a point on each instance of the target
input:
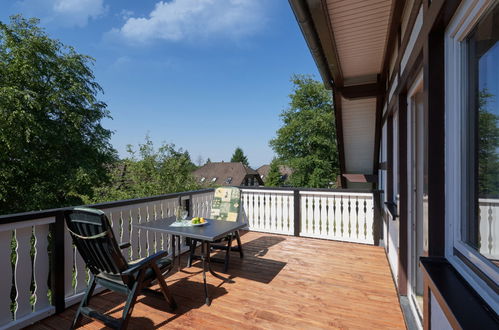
(285, 171)
(227, 174)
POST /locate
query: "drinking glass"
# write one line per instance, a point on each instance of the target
(179, 213)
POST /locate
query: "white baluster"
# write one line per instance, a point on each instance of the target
(134, 234)
(343, 209)
(23, 271)
(323, 217)
(261, 211)
(330, 217)
(310, 215)
(272, 212)
(252, 214)
(279, 217)
(304, 213)
(81, 272)
(125, 232)
(68, 263)
(369, 204)
(142, 211)
(317, 215)
(5, 284)
(41, 267)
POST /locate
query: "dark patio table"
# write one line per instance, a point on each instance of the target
(206, 234)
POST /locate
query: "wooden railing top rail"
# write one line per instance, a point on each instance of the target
(307, 189)
(25, 216)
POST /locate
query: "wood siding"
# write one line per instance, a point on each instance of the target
(360, 31)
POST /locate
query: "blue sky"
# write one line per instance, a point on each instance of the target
(206, 75)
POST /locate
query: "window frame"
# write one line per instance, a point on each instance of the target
(456, 158)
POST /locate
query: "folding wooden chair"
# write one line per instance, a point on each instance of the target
(94, 238)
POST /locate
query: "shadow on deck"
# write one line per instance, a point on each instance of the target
(283, 282)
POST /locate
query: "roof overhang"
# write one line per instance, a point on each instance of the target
(348, 41)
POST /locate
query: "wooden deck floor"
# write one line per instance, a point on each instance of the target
(283, 282)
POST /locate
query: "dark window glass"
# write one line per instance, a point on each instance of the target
(481, 227)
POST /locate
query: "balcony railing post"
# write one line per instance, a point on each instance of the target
(57, 266)
(296, 203)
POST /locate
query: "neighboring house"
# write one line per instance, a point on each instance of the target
(227, 174)
(285, 171)
(410, 80)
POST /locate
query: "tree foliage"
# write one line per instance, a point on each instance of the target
(488, 145)
(274, 177)
(148, 172)
(239, 156)
(307, 139)
(53, 148)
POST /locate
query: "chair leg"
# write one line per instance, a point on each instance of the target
(238, 238)
(130, 301)
(164, 288)
(192, 247)
(84, 302)
(227, 254)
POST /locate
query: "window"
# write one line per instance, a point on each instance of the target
(480, 229)
(202, 179)
(214, 179)
(228, 180)
(472, 145)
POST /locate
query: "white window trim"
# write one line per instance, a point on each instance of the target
(466, 17)
(416, 87)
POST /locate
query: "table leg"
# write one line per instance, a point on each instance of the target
(206, 296)
(173, 249)
(179, 265)
(212, 272)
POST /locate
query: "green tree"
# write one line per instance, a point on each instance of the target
(307, 139)
(53, 148)
(148, 172)
(274, 177)
(488, 145)
(239, 156)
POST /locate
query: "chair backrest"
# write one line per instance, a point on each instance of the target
(226, 204)
(94, 238)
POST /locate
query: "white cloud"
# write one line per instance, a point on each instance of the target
(126, 14)
(65, 12)
(180, 20)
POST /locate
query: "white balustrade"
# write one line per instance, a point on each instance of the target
(270, 211)
(30, 274)
(489, 227)
(201, 204)
(339, 216)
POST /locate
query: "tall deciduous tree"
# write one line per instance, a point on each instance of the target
(239, 156)
(307, 139)
(52, 145)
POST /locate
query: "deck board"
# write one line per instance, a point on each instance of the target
(283, 282)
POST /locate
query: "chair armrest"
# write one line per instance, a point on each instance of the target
(125, 245)
(144, 262)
